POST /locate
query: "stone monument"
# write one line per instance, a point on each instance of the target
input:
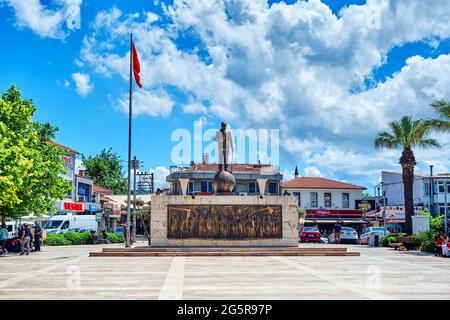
(224, 219)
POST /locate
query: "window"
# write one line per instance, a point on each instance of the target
(299, 198)
(191, 187)
(345, 200)
(253, 187)
(327, 199)
(273, 188)
(84, 190)
(426, 188)
(206, 186)
(65, 225)
(441, 188)
(313, 200)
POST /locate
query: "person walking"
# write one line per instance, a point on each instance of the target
(337, 232)
(438, 241)
(37, 236)
(3, 238)
(25, 239)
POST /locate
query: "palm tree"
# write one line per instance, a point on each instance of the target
(407, 133)
(442, 108)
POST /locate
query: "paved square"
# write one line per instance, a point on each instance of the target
(69, 273)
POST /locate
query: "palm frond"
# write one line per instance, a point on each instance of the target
(442, 107)
(386, 140)
(428, 143)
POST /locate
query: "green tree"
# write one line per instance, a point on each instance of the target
(442, 108)
(106, 169)
(407, 134)
(30, 167)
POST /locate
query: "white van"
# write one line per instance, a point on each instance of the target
(65, 223)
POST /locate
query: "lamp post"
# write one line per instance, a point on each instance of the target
(383, 190)
(135, 164)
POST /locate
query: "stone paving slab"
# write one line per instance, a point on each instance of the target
(378, 273)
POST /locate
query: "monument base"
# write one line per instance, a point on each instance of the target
(224, 221)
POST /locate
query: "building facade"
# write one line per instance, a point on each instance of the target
(430, 192)
(201, 177)
(327, 201)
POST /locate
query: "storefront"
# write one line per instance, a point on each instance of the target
(325, 219)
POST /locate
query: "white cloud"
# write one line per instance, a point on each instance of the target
(83, 86)
(159, 176)
(54, 20)
(153, 103)
(312, 172)
(296, 67)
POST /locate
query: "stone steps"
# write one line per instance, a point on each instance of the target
(219, 251)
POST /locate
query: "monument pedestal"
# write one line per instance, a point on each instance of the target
(224, 221)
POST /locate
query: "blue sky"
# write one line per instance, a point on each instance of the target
(328, 74)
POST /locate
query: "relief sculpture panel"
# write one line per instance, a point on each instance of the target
(238, 222)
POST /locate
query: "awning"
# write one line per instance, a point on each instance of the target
(325, 221)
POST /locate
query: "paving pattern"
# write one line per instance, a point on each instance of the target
(69, 273)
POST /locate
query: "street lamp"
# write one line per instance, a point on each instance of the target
(135, 164)
(383, 190)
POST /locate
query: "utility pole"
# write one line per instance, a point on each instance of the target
(446, 205)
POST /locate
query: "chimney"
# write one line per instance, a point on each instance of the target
(296, 172)
(205, 158)
(431, 171)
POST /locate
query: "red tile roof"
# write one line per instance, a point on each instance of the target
(102, 190)
(62, 146)
(319, 183)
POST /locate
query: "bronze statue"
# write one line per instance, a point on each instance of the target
(224, 222)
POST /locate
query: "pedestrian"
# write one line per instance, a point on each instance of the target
(337, 232)
(3, 238)
(438, 241)
(25, 239)
(37, 236)
(445, 248)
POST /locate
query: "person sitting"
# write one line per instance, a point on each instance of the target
(96, 239)
(105, 236)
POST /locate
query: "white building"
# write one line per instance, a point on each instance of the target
(327, 201)
(435, 199)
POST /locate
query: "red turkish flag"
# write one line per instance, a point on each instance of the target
(136, 67)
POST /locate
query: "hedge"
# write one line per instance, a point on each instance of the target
(78, 238)
(56, 240)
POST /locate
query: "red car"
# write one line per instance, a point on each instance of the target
(310, 234)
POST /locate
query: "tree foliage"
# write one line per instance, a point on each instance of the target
(30, 167)
(442, 108)
(407, 134)
(106, 169)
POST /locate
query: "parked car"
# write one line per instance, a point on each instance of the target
(349, 235)
(310, 234)
(372, 231)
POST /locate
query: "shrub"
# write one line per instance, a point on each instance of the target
(78, 238)
(56, 240)
(115, 238)
(424, 241)
(391, 238)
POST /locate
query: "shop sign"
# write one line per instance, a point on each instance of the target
(72, 206)
(68, 162)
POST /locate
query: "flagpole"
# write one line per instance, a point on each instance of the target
(130, 113)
